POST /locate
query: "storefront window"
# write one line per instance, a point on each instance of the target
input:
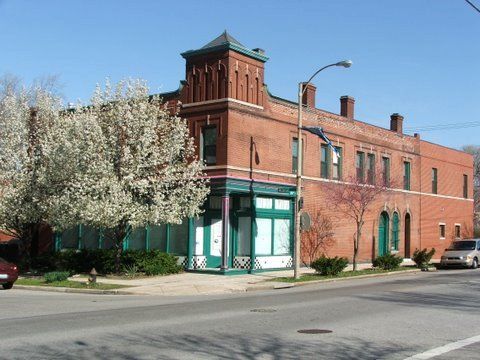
(281, 240)
(244, 236)
(263, 240)
(281, 204)
(70, 238)
(158, 237)
(179, 238)
(90, 237)
(264, 203)
(136, 240)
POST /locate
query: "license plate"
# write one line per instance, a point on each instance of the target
(3, 276)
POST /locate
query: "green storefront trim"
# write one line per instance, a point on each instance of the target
(235, 189)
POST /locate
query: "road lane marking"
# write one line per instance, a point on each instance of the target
(445, 348)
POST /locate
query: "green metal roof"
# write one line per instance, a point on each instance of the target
(222, 39)
(225, 42)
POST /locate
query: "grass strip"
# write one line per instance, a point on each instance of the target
(343, 274)
(69, 284)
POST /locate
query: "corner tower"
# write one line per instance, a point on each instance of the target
(224, 68)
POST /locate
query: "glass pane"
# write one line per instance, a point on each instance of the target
(263, 239)
(243, 236)
(136, 239)
(245, 202)
(215, 202)
(198, 249)
(179, 238)
(264, 203)
(335, 173)
(358, 160)
(210, 136)
(281, 204)
(295, 147)
(210, 154)
(281, 240)
(90, 237)
(158, 237)
(335, 157)
(70, 238)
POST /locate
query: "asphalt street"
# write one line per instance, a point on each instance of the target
(419, 315)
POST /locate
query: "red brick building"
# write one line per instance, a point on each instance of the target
(247, 137)
(254, 136)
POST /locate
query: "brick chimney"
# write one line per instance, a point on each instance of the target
(396, 123)
(308, 97)
(347, 106)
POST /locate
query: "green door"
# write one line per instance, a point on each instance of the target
(383, 234)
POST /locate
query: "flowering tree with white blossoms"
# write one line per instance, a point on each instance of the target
(26, 116)
(137, 166)
(120, 163)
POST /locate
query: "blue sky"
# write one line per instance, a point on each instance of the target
(416, 57)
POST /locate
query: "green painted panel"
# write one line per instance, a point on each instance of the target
(395, 231)
(383, 234)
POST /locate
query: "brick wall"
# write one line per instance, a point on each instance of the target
(255, 141)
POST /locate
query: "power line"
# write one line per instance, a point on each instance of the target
(455, 126)
(471, 4)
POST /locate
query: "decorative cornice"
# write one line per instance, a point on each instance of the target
(216, 101)
(223, 47)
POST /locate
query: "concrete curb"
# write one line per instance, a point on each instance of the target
(286, 285)
(73, 290)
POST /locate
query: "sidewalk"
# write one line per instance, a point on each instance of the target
(190, 283)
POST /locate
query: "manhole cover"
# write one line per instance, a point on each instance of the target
(314, 331)
(263, 310)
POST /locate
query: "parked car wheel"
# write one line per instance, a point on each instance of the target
(475, 263)
(8, 285)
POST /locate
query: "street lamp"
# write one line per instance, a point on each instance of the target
(301, 90)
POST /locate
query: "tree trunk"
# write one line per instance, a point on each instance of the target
(121, 233)
(118, 255)
(356, 243)
(35, 240)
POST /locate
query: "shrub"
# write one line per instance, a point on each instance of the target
(422, 257)
(56, 276)
(329, 266)
(387, 262)
(151, 262)
(131, 271)
(159, 263)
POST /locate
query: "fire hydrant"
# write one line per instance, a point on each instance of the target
(92, 279)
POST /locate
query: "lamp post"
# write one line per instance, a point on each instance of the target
(301, 90)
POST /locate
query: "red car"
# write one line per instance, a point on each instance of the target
(8, 274)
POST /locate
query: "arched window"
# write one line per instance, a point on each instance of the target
(395, 231)
(207, 86)
(220, 84)
(195, 86)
